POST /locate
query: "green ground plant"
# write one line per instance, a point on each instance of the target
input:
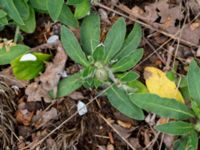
(105, 64)
(22, 12)
(185, 119)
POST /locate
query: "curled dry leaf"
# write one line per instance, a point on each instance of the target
(24, 116)
(49, 79)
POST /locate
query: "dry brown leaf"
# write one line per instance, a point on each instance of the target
(124, 124)
(43, 117)
(24, 116)
(76, 96)
(126, 133)
(110, 147)
(39, 89)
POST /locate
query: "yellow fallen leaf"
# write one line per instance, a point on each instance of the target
(158, 83)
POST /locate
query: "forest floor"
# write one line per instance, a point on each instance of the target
(171, 35)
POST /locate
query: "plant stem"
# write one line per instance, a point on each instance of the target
(16, 34)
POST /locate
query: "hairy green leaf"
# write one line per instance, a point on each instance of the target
(72, 47)
(139, 86)
(30, 23)
(176, 128)
(74, 2)
(193, 78)
(55, 8)
(90, 33)
(37, 4)
(128, 62)
(128, 76)
(23, 8)
(82, 9)
(163, 107)
(188, 141)
(99, 53)
(9, 7)
(120, 100)
(131, 42)
(6, 56)
(66, 17)
(114, 39)
(2, 13)
(69, 84)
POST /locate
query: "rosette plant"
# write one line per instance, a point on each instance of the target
(105, 64)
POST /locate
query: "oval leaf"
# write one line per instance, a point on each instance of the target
(55, 8)
(114, 39)
(30, 23)
(121, 102)
(6, 56)
(69, 84)
(72, 47)
(23, 8)
(9, 7)
(128, 62)
(90, 33)
(131, 42)
(163, 107)
(82, 9)
(158, 83)
(27, 70)
(176, 128)
(66, 17)
(193, 78)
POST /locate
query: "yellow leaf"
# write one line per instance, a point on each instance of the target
(158, 83)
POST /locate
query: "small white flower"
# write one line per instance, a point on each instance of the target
(81, 108)
(52, 39)
(28, 57)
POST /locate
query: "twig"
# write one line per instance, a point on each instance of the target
(117, 132)
(144, 24)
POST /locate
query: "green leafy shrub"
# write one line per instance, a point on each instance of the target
(179, 112)
(22, 12)
(105, 64)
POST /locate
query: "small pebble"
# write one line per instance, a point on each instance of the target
(52, 39)
(81, 108)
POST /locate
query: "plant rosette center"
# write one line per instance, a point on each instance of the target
(101, 72)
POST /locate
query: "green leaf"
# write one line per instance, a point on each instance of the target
(73, 2)
(120, 100)
(3, 21)
(72, 47)
(193, 78)
(176, 128)
(27, 70)
(131, 42)
(128, 62)
(115, 39)
(90, 33)
(139, 86)
(23, 8)
(9, 7)
(55, 8)
(37, 4)
(6, 56)
(82, 9)
(128, 76)
(2, 13)
(99, 53)
(66, 17)
(163, 107)
(69, 84)
(188, 141)
(30, 23)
